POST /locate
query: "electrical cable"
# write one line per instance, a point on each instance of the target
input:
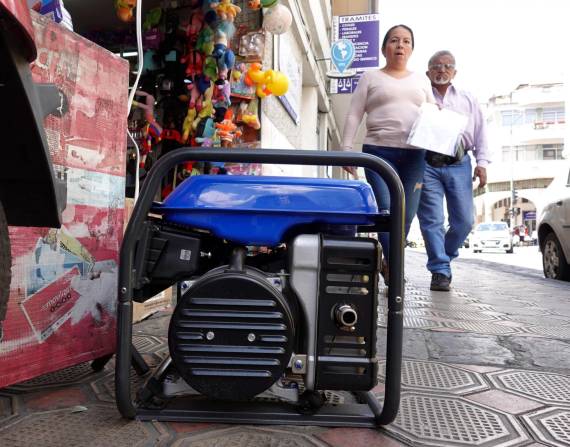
(134, 90)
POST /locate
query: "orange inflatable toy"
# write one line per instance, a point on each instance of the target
(268, 82)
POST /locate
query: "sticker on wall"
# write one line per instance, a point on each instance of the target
(342, 55)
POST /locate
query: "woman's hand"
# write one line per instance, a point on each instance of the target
(351, 170)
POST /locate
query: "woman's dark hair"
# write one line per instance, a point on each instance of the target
(385, 41)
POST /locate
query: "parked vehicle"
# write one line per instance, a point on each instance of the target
(491, 236)
(467, 241)
(554, 238)
(30, 193)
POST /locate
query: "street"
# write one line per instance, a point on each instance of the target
(528, 257)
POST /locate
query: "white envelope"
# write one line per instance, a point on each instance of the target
(437, 130)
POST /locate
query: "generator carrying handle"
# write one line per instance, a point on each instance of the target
(388, 411)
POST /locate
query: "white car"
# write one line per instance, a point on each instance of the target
(491, 236)
(554, 238)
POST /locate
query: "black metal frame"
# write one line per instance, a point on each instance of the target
(26, 170)
(369, 414)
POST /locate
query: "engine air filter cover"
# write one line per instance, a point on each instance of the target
(231, 335)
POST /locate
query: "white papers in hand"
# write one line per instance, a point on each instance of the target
(437, 130)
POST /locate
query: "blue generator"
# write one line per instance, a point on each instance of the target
(278, 294)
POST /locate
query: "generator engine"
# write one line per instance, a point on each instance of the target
(274, 296)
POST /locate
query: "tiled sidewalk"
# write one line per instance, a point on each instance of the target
(487, 364)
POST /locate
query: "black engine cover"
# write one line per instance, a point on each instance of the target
(231, 335)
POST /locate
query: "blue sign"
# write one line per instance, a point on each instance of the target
(342, 54)
(364, 32)
(346, 85)
(529, 215)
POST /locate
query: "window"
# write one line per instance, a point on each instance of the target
(553, 115)
(511, 118)
(552, 151)
(530, 116)
(492, 227)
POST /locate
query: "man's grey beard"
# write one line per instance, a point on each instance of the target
(441, 80)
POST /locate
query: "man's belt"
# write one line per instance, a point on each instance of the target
(437, 160)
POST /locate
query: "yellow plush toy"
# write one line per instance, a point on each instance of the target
(227, 11)
(187, 127)
(269, 82)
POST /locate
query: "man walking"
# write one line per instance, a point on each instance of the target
(451, 177)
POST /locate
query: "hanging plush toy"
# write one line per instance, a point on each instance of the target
(125, 9)
(152, 18)
(225, 58)
(210, 68)
(277, 19)
(249, 114)
(193, 61)
(227, 11)
(208, 138)
(227, 130)
(152, 131)
(254, 4)
(222, 92)
(207, 108)
(208, 5)
(187, 125)
(193, 28)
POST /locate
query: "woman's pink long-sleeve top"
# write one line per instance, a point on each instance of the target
(391, 106)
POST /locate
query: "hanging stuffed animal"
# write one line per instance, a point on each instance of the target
(187, 125)
(250, 116)
(152, 18)
(222, 93)
(152, 131)
(125, 9)
(193, 61)
(227, 11)
(254, 4)
(207, 108)
(227, 130)
(193, 28)
(205, 40)
(208, 5)
(225, 58)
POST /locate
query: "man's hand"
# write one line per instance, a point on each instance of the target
(351, 170)
(480, 172)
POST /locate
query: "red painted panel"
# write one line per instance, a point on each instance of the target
(62, 304)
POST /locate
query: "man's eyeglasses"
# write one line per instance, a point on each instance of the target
(440, 66)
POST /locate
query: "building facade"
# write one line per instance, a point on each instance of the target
(303, 119)
(526, 133)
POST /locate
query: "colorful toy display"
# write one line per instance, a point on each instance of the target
(203, 74)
